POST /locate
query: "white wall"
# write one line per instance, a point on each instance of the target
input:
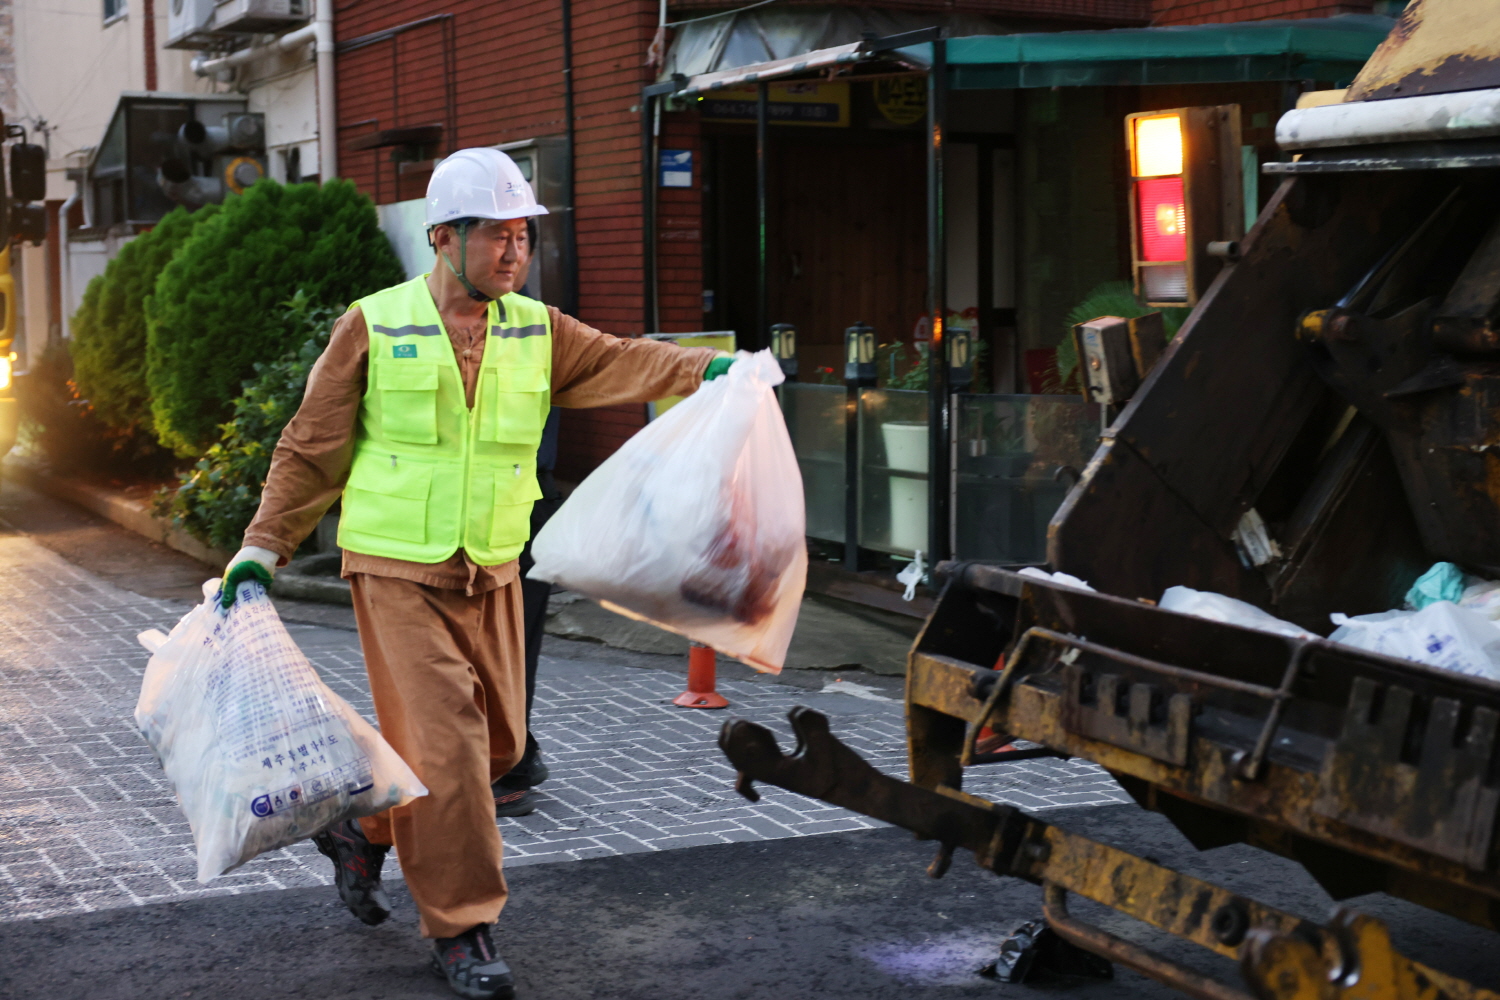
(285, 89)
(84, 261)
(402, 222)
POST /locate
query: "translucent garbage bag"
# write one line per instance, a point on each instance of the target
(696, 524)
(261, 753)
(1482, 597)
(1219, 608)
(1066, 579)
(1441, 635)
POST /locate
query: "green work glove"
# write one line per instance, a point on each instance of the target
(718, 366)
(249, 563)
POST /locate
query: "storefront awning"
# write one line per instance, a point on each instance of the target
(1328, 49)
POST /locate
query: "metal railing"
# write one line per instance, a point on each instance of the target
(1011, 461)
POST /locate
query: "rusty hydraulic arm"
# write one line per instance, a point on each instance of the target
(1282, 957)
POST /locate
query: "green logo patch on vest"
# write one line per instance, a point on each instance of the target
(404, 351)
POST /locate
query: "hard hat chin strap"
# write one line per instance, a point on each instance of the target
(461, 271)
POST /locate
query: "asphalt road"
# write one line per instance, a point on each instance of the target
(843, 915)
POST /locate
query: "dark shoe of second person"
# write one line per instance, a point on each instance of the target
(531, 771)
(513, 801)
(356, 870)
(472, 966)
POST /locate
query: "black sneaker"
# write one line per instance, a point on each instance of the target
(513, 801)
(530, 772)
(472, 966)
(356, 870)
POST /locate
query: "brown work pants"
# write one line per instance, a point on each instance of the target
(448, 675)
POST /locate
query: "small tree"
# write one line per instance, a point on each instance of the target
(216, 310)
(109, 329)
(218, 498)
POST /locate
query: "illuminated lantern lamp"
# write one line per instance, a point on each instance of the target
(1184, 192)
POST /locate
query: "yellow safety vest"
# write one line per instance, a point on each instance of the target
(430, 475)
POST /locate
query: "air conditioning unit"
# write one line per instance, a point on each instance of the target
(188, 24)
(257, 16)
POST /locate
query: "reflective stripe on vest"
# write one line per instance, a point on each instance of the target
(430, 475)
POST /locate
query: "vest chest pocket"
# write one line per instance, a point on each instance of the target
(408, 402)
(513, 405)
(385, 501)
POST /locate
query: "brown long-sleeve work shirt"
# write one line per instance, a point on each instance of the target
(312, 460)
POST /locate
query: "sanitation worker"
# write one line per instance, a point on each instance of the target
(425, 414)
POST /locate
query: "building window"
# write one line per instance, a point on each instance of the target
(113, 10)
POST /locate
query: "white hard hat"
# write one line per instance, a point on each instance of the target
(479, 183)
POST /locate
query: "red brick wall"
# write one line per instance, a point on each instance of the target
(679, 227)
(1212, 11)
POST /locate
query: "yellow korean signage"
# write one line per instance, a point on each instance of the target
(722, 340)
(902, 100)
(804, 102)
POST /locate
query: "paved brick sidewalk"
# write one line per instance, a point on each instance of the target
(88, 821)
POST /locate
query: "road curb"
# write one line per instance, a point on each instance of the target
(127, 512)
(309, 579)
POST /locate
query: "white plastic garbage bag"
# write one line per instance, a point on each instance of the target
(1483, 597)
(1066, 579)
(1217, 607)
(261, 753)
(697, 523)
(1440, 635)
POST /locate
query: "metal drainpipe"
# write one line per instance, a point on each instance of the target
(648, 215)
(938, 409)
(148, 33)
(64, 326)
(763, 248)
(328, 128)
(204, 66)
(570, 225)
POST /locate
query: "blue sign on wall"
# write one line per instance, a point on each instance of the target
(676, 168)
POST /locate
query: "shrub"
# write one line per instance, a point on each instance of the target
(216, 309)
(68, 435)
(109, 329)
(217, 499)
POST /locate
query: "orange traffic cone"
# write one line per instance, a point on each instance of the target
(701, 680)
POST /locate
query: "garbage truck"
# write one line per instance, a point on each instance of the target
(9, 412)
(1323, 428)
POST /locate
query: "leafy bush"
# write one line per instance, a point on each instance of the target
(216, 313)
(67, 434)
(109, 329)
(1113, 298)
(217, 500)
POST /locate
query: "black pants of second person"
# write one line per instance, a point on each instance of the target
(534, 594)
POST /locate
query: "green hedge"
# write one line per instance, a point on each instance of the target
(218, 498)
(109, 329)
(217, 309)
